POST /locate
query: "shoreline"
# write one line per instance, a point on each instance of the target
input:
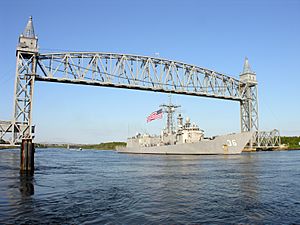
(107, 149)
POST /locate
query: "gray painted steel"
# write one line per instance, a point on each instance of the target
(226, 144)
(120, 71)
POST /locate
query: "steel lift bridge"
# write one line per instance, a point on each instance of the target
(125, 71)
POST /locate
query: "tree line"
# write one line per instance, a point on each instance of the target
(292, 142)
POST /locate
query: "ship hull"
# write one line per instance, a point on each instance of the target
(220, 145)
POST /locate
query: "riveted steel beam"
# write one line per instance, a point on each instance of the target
(137, 72)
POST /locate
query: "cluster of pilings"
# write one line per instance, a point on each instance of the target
(27, 156)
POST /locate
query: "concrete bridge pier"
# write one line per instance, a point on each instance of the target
(27, 156)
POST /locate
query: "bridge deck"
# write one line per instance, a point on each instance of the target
(137, 72)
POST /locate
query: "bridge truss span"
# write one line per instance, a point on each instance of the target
(137, 72)
(120, 71)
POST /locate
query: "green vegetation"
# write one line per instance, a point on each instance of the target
(39, 145)
(291, 142)
(101, 146)
(8, 147)
(104, 146)
(5, 144)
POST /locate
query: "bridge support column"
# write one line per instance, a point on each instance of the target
(249, 107)
(27, 156)
(27, 52)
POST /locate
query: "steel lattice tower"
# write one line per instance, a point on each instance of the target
(26, 54)
(249, 104)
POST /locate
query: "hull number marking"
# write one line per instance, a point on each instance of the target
(231, 143)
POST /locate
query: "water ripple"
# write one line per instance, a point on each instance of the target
(103, 187)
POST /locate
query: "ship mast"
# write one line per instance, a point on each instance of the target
(169, 109)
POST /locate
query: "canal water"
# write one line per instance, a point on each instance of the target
(104, 187)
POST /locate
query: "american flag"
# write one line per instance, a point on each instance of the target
(155, 115)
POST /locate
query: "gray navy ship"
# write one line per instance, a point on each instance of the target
(185, 138)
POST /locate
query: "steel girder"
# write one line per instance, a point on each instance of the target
(21, 126)
(266, 139)
(122, 71)
(137, 72)
(249, 110)
(5, 127)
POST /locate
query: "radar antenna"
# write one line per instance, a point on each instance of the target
(170, 109)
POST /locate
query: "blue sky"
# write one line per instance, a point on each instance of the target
(212, 34)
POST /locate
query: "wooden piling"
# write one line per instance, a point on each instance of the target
(27, 156)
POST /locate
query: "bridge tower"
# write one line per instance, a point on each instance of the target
(249, 106)
(26, 62)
